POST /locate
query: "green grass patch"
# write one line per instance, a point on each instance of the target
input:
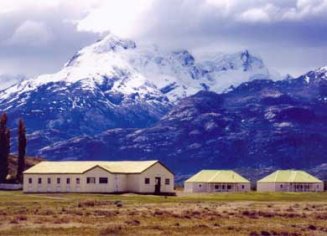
(12, 196)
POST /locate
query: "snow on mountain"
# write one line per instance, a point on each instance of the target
(117, 99)
(316, 75)
(8, 80)
(259, 124)
(149, 70)
(116, 83)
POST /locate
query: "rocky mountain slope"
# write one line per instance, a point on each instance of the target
(259, 124)
(116, 83)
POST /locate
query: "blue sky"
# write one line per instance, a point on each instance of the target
(38, 36)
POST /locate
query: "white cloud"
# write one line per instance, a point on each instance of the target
(305, 9)
(255, 15)
(7, 6)
(129, 18)
(57, 28)
(267, 13)
(31, 33)
(122, 17)
(224, 5)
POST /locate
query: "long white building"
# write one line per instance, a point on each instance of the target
(99, 177)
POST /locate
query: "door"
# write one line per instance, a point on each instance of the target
(157, 187)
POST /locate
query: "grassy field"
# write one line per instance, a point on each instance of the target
(187, 214)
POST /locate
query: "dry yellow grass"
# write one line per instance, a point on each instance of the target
(211, 214)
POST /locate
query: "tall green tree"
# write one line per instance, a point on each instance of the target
(22, 142)
(4, 147)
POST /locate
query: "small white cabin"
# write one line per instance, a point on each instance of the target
(217, 181)
(290, 181)
(99, 177)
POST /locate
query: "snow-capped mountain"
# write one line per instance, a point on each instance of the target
(117, 99)
(316, 76)
(116, 83)
(127, 68)
(259, 124)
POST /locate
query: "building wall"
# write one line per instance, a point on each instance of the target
(188, 187)
(97, 187)
(196, 187)
(290, 187)
(73, 186)
(160, 171)
(133, 183)
(266, 187)
(120, 182)
(116, 182)
(217, 187)
(53, 186)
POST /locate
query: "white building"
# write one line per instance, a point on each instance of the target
(290, 181)
(217, 181)
(99, 177)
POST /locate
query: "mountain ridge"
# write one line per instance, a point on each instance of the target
(117, 83)
(259, 124)
(117, 99)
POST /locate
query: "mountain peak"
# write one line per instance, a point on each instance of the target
(323, 69)
(112, 42)
(125, 69)
(185, 57)
(249, 60)
(245, 54)
(316, 75)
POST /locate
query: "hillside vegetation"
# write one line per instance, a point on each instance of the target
(29, 162)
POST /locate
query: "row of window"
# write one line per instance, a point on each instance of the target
(223, 187)
(227, 187)
(147, 181)
(89, 180)
(300, 186)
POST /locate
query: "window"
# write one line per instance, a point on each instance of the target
(90, 180)
(30, 180)
(103, 180)
(39, 181)
(49, 180)
(281, 186)
(216, 186)
(229, 186)
(200, 185)
(242, 186)
(68, 181)
(58, 180)
(78, 180)
(147, 180)
(167, 181)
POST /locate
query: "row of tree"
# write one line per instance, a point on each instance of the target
(5, 149)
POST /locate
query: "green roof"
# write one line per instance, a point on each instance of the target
(217, 176)
(289, 176)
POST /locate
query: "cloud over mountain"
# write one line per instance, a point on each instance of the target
(44, 33)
